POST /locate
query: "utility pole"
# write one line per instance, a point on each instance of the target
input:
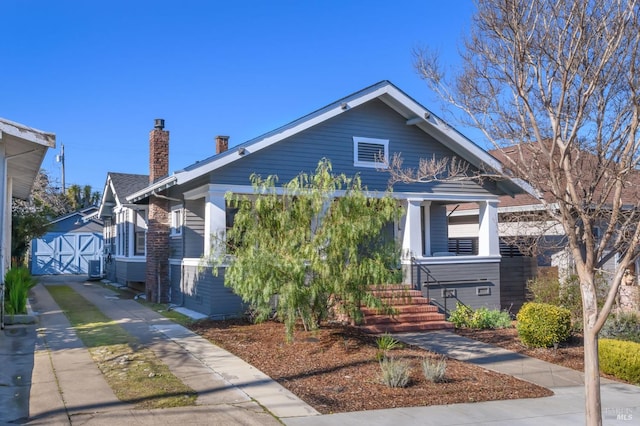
(60, 159)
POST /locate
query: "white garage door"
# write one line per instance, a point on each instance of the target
(57, 253)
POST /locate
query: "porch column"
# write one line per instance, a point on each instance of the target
(7, 202)
(5, 228)
(412, 236)
(488, 242)
(130, 215)
(215, 221)
(426, 226)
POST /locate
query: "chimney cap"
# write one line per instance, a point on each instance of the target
(159, 124)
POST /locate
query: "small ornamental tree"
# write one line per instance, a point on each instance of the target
(313, 244)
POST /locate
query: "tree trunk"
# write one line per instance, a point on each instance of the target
(593, 404)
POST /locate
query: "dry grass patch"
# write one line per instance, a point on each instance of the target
(134, 373)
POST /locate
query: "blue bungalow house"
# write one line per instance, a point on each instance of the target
(185, 209)
(125, 229)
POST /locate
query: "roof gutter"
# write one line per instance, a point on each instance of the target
(164, 197)
(150, 190)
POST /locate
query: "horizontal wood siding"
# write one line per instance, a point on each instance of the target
(193, 231)
(124, 272)
(514, 274)
(333, 139)
(462, 281)
(439, 230)
(175, 247)
(201, 291)
(110, 271)
(463, 226)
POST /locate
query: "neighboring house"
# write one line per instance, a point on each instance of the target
(516, 216)
(22, 150)
(124, 230)
(187, 208)
(70, 244)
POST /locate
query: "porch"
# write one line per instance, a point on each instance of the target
(445, 273)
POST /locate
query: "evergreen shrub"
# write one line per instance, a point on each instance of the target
(543, 325)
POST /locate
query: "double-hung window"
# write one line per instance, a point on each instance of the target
(140, 225)
(176, 221)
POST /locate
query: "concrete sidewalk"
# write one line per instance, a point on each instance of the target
(67, 387)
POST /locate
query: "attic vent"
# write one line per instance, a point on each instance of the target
(368, 152)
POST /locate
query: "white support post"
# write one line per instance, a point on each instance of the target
(412, 235)
(488, 241)
(131, 228)
(4, 228)
(7, 225)
(426, 226)
(215, 220)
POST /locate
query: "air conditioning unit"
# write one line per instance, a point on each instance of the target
(94, 270)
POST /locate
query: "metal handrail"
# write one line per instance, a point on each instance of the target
(430, 279)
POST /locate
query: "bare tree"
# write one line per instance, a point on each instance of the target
(558, 81)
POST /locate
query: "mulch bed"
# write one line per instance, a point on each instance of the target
(335, 369)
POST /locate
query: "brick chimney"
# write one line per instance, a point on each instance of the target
(157, 282)
(158, 152)
(222, 144)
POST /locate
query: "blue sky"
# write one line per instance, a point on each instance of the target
(97, 73)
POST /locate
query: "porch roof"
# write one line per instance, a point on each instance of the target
(30, 147)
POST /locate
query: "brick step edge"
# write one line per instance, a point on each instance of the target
(403, 318)
(406, 327)
(396, 293)
(385, 287)
(404, 301)
(403, 309)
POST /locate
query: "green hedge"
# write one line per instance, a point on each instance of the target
(543, 325)
(620, 358)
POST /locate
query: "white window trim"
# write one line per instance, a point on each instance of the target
(177, 211)
(372, 164)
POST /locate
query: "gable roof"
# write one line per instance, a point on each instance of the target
(118, 187)
(85, 214)
(586, 167)
(412, 111)
(125, 184)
